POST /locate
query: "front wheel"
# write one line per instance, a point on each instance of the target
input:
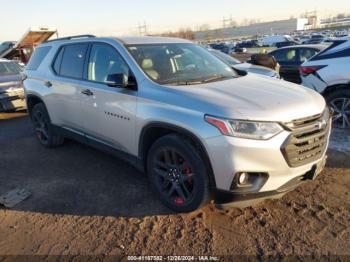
(178, 174)
(339, 101)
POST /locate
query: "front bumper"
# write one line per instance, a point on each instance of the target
(225, 198)
(231, 155)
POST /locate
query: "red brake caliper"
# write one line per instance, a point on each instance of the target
(179, 201)
(185, 171)
(39, 135)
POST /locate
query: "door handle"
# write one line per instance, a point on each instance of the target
(48, 84)
(87, 92)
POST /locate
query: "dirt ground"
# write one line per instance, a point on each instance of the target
(87, 203)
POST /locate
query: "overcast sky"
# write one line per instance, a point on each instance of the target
(119, 17)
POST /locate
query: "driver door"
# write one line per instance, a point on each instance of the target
(110, 112)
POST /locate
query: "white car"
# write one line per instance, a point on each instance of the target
(328, 73)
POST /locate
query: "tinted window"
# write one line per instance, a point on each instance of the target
(73, 60)
(306, 53)
(58, 61)
(285, 55)
(38, 57)
(104, 61)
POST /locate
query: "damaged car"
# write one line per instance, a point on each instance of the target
(11, 89)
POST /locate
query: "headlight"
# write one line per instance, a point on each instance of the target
(245, 129)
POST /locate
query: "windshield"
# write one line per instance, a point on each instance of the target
(5, 46)
(180, 64)
(9, 68)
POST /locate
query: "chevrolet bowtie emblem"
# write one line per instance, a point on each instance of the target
(321, 124)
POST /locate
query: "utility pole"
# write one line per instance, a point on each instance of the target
(142, 29)
(227, 22)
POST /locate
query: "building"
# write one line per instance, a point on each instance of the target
(280, 27)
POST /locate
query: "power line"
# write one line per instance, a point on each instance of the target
(142, 29)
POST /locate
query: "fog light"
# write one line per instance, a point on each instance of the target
(242, 178)
(246, 182)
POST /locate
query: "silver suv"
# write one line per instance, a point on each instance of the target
(198, 129)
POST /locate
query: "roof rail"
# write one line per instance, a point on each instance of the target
(70, 38)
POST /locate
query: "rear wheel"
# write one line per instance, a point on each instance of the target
(178, 174)
(339, 101)
(43, 128)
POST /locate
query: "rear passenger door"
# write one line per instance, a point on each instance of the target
(109, 112)
(66, 91)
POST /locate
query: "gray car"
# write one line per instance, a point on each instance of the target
(171, 108)
(11, 89)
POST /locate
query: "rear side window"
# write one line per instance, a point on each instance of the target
(306, 53)
(58, 61)
(73, 59)
(37, 58)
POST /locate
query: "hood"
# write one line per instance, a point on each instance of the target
(261, 70)
(7, 81)
(251, 98)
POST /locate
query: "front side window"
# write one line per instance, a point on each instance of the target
(105, 62)
(73, 59)
(180, 64)
(9, 68)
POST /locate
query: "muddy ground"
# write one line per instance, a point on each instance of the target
(86, 202)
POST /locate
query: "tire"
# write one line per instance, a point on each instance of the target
(178, 174)
(43, 128)
(339, 101)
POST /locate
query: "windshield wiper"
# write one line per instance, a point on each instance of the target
(184, 83)
(216, 78)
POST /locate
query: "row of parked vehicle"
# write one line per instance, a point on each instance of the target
(321, 67)
(277, 41)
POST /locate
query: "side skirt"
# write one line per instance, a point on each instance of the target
(99, 145)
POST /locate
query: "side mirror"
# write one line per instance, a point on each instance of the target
(121, 80)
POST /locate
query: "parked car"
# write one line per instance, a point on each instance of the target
(290, 58)
(221, 47)
(272, 40)
(246, 67)
(316, 39)
(199, 129)
(11, 89)
(23, 49)
(6, 46)
(286, 43)
(247, 44)
(328, 74)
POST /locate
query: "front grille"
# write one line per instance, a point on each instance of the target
(308, 139)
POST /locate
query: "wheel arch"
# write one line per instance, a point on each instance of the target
(332, 88)
(32, 100)
(153, 131)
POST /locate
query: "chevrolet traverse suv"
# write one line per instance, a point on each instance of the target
(198, 128)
